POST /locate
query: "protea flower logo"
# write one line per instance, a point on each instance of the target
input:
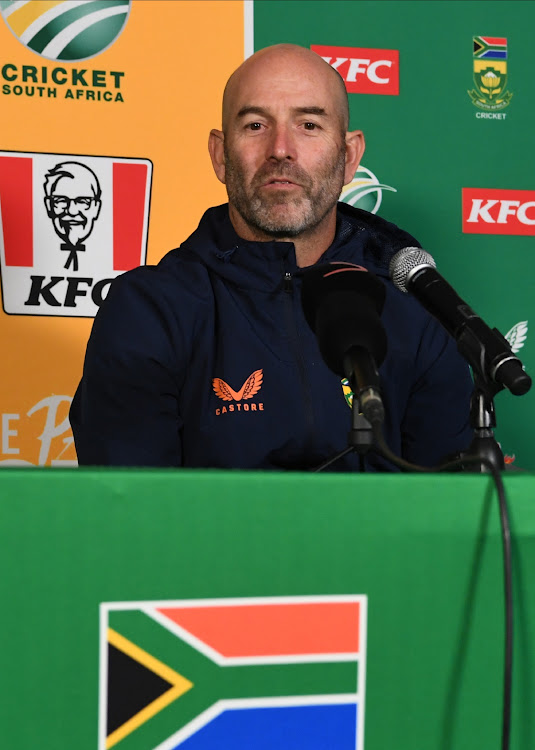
(365, 191)
(68, 30)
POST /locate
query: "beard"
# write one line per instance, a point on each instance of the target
(280, 215)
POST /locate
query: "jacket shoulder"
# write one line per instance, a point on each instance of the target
(383, 238)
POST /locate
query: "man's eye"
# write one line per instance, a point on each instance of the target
(310, 125)
(254, 125)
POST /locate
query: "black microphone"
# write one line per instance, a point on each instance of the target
(486, 350)
(342, 303)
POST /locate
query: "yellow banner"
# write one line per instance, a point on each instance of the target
(106, 109)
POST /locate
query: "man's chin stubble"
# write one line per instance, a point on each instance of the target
(262, 220)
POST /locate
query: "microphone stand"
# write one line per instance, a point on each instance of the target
(483, 420)
(360, 436)
(361, 372)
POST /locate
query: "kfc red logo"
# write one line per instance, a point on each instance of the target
(69, 224)
(493, 211)
(365, 71)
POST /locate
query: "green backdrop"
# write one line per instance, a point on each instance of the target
(428, 144)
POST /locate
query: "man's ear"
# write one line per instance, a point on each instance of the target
(355, 146)
(48, 206)
(217, 154)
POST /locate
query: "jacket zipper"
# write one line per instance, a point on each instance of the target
(306, 389)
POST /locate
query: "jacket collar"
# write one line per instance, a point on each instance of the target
(361, 238)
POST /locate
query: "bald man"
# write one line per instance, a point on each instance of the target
(206, 360)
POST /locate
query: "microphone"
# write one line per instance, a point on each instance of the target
(342, 303)
(486, 350)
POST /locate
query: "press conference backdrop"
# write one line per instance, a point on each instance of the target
(128, 91)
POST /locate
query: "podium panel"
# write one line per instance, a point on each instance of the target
(154, 610)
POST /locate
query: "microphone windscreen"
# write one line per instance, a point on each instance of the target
(328, 278)
(342, 303)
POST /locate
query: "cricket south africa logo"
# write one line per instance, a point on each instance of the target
(263, 673)
(365, 191)
(69, 224)
(490, 74)
(66, 31)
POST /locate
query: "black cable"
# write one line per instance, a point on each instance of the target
(506, 547)
(507, 560)
(332, 460)
(508, 591)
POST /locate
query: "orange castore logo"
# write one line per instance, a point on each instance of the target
(249, 389)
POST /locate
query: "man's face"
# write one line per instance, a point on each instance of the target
(284, 147)
(284, 199)
(73, 208)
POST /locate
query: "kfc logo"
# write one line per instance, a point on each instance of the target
(365, 71)
(492, 211)
(68, 227)
(73, 203)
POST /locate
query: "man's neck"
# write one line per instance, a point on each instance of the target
(309, 246)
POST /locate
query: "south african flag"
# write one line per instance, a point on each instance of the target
(490, 48)
(285, 673)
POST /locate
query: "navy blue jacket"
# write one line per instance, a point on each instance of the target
(206, 360)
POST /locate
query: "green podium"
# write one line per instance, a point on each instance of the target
(196, 609)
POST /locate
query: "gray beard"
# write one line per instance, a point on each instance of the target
(310, 207)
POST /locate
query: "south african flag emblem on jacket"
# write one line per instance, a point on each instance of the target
(233, 674)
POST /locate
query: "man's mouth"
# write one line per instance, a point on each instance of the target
(279, 181)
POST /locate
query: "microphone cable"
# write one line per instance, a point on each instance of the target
(460, 463)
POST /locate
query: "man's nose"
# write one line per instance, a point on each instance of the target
(72, 208)
(282, 144)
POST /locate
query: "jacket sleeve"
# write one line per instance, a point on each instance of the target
(125, 410)
(436, 424)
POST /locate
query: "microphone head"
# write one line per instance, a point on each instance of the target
(406, 262)
(342, 303)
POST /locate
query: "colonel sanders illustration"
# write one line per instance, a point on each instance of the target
(73, 203)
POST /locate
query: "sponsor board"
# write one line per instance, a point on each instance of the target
(365, 71)
(263, 673)
(496, 211)
(69, 224)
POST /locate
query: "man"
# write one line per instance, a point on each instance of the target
(73, 203)
(206, 359)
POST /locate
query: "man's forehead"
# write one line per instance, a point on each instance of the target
(286, 98)
(290, 78)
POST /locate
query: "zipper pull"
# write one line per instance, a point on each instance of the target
(287, 282)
